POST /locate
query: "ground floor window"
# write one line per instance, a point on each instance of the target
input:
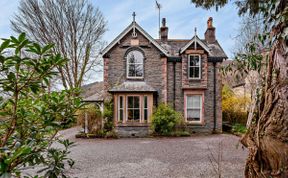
(194, 108)
(145, 108)
(133, 108)
(120, 108)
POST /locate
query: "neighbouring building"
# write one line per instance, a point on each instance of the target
(140, 72)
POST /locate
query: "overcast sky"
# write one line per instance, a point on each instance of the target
(181, 15)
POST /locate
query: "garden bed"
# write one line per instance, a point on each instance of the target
(107, 135)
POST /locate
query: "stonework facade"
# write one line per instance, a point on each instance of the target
(140, 72)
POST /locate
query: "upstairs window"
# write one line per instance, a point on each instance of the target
(194, 67)
(135, 65)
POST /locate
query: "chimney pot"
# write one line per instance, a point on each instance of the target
(163, 22)
(210, 32)
(210, 22)
(164, 31)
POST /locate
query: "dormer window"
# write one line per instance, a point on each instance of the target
(194, 67)
(135, 64)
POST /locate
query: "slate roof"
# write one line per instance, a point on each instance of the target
(133, 86)
(216, 50)
(173, 46)
(170, 48)
(93, 92)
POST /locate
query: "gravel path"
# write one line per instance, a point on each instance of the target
(156, 157)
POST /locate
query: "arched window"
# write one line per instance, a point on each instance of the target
(135, 64)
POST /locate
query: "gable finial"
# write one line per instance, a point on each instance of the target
(134, 34)
(195, 45)
(134, 15)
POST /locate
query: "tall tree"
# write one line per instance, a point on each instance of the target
(74, 26)
(267, 136)
(248, 31)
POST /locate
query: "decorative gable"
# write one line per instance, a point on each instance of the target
(197, 41)
(134, 27)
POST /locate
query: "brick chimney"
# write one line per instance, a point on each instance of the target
(164, 31)
(210, 32)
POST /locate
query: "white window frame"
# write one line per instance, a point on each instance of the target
(127, 107)
(200, 66)
(127, 66)
(118, 109)
(201, 108)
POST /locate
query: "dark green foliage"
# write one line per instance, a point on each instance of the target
(108, 126)
(108, 110)
(207, 4)
(111, 134)
(239, 128)
(165, 120)
(108, 116)
(56, 159)
(32, 116)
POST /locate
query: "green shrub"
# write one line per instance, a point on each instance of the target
(108, 116)
(108, 125)
(108, 110)
(111, 134)
(239, 128)
(165, 120)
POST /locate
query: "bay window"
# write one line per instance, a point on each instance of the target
(120, 109)
(133, 108)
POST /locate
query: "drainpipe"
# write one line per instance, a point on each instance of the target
(214, 96)
(174, 85)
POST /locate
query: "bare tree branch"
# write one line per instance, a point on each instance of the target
(75, 27)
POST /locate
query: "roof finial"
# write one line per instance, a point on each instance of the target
(134, 15)
(195, 45)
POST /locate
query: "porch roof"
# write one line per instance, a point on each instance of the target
(133, 86)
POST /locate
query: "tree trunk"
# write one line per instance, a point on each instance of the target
(267, 137)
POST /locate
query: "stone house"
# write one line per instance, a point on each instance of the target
(140, 72)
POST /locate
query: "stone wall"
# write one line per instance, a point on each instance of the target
(179, 98)
(153, 75)
(132, 131)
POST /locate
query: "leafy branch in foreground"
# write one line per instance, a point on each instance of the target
(30, 116)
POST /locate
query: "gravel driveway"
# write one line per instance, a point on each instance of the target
(156, 157)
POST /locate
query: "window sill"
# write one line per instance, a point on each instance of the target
(131, 124)
(194, 79)
(195, 123)
(139, 79)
